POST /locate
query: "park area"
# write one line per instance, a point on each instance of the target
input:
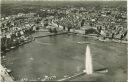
(54, 57)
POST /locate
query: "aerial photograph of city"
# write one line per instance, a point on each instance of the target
(63, 40)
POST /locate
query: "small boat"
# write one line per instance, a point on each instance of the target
(83, 42)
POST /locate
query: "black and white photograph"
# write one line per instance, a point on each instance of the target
(63, 41)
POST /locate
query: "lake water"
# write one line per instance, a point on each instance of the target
(62, 55)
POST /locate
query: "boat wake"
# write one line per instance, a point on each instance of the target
(42, 43)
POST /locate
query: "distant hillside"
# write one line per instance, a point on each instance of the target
(14, 7)
(63, 3)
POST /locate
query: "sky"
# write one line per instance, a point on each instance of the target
(62, 0)
(12, 1)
